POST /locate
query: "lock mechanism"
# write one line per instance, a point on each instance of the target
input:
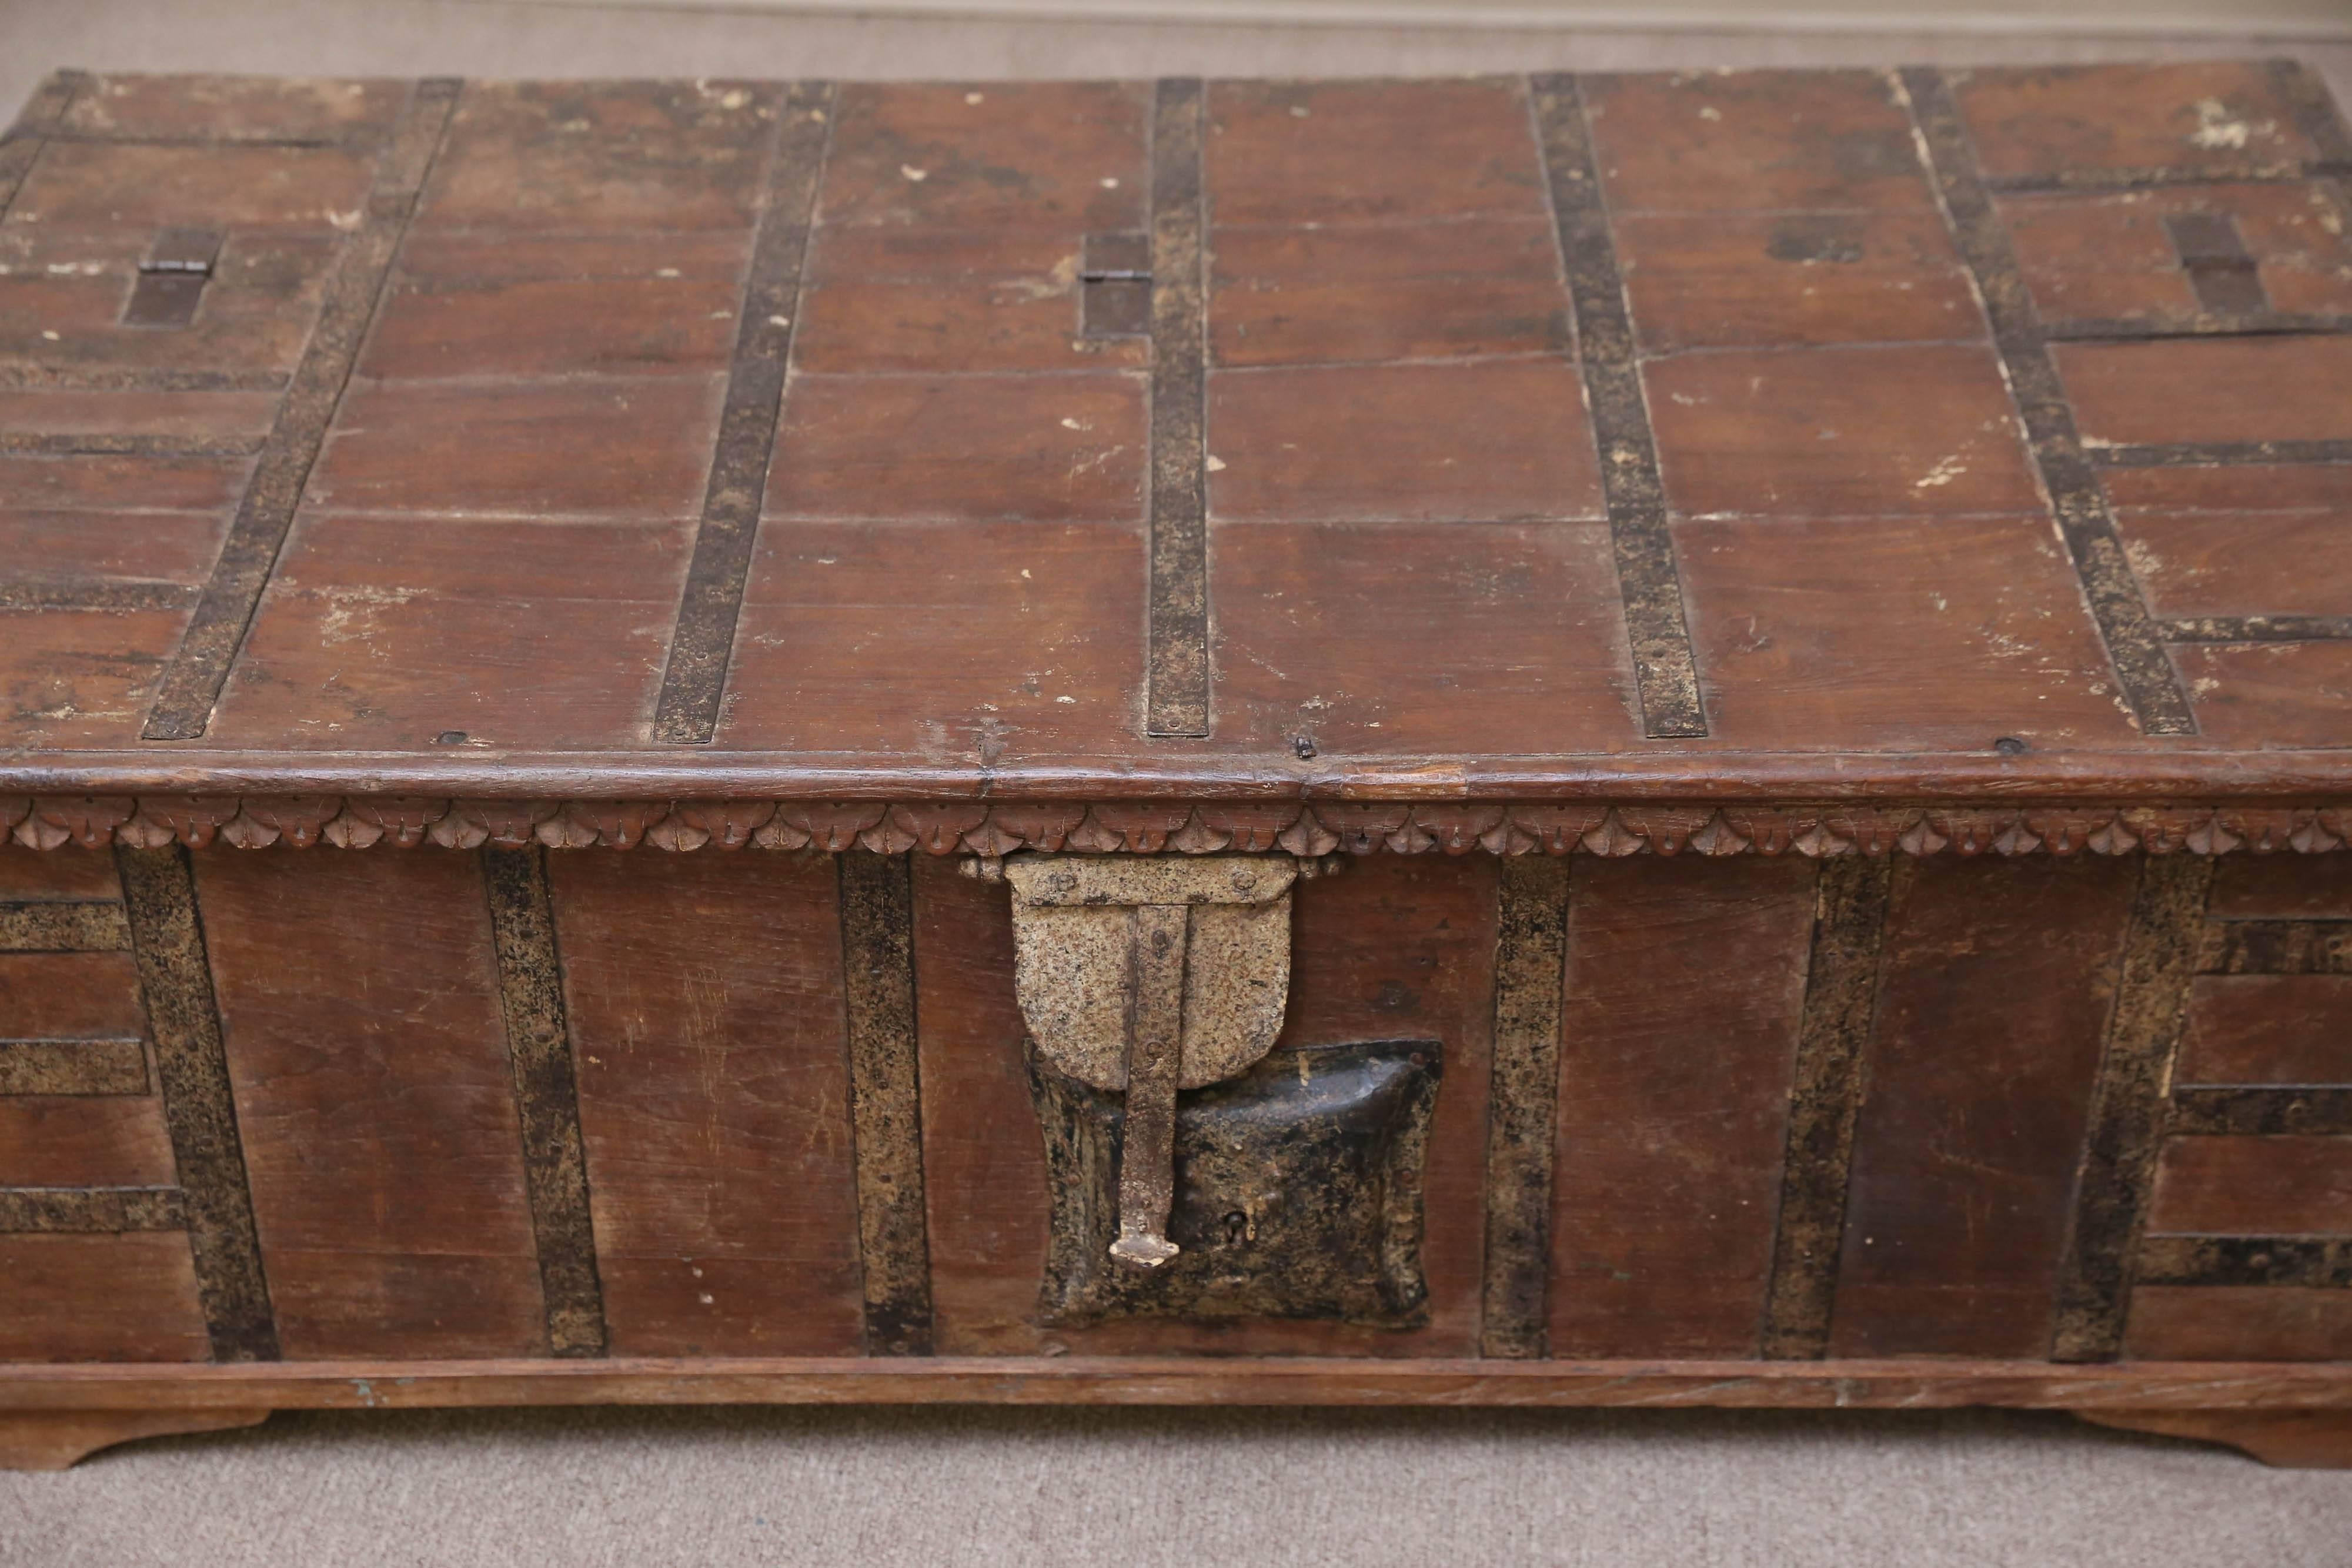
(1141, 976)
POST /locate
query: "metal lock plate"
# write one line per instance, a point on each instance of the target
(1144, 976)
(1298, 1192)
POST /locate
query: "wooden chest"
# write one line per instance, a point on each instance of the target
(1624, 740)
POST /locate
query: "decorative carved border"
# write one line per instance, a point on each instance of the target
(1315, 828)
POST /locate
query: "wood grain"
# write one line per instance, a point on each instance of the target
(80, 1141)
(58, 1439)
(2147, 678)
(1857, 1385)
(696, 674)
(193, 683)
(705, 997)
(1674, 1105)
(2254, 1186)
(2268, 1028)
(1666, 673)
(400, 1085)
(2294, 1440)
(131, 1297)
(1998, 981)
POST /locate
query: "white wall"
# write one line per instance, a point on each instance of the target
(2276, 18)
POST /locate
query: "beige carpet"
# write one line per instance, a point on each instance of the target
(1128, 1488)
(1452, 1489)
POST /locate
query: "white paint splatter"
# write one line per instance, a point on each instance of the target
(1946, 469)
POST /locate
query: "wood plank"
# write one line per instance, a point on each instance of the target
(2240, 1322)
(99, 1297)
(1442, 442)
(70, 996)
(2270, 693)
(983, 1157)
(1673, 1101)
(706, 1007)
(612, 158)
(696, 678)
(1385, 292)
(1332, 153)
(34, 124)
(1831, 629)
(2149, 681)
(2052, 122)
(1871, 430)
(2269, 1028)
(376, 1052)
(1732, 141)
(2285, 887)
(113, 1140)
(1907, 1385)
(135, 107)
(410, 587)
(2128, 394)
(1665, 670)
(2254, 1186)
(1066, 156)
(69, 872)
(193, 683)
(1999, 979)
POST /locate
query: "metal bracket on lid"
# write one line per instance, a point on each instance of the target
(172, 279)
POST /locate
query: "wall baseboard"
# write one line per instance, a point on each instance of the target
(2284, 20)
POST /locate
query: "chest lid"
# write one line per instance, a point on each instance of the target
(1828, 433)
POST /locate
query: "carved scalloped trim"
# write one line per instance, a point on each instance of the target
(943, 828)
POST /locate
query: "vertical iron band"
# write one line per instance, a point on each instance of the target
(694, 683)
(2127, 1105)
(547, 1097)
(2134, 646)
(877, 971)
(193, 683)
(167, 942)
(1665, 669)
(1850, 907)
(1523, 1104)
(1177, 659)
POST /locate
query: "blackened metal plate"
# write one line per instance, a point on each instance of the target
(1298, 1192)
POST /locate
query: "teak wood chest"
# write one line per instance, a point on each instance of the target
(1624, 740)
